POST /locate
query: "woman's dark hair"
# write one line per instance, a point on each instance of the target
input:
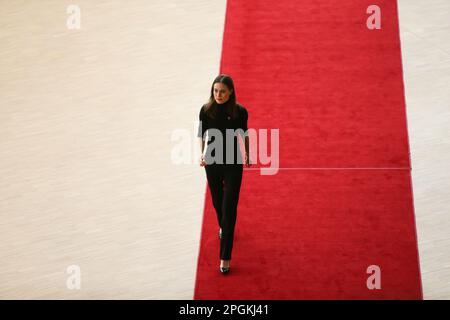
(211, 106)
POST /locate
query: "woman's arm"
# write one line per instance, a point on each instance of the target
(246, 143)
(245, 137)
(247, 151)
(202, 145)
(202, 126)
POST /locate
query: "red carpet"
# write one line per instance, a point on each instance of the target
(335, 90)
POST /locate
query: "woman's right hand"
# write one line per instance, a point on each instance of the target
(202, 161)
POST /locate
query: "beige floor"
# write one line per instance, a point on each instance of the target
(85, 146)
(86, 119)
(425, 37)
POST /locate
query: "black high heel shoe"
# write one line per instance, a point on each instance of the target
(224, 270)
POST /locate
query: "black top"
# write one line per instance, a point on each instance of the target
(222, 122)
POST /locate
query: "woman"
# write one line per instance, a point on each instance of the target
(224, 177)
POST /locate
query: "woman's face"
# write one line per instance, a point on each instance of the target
(221, 92)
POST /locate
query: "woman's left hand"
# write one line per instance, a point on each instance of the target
(247, 161)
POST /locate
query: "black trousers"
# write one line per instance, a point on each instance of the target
(224, 181)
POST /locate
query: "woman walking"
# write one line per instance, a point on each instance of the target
(224, 172)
